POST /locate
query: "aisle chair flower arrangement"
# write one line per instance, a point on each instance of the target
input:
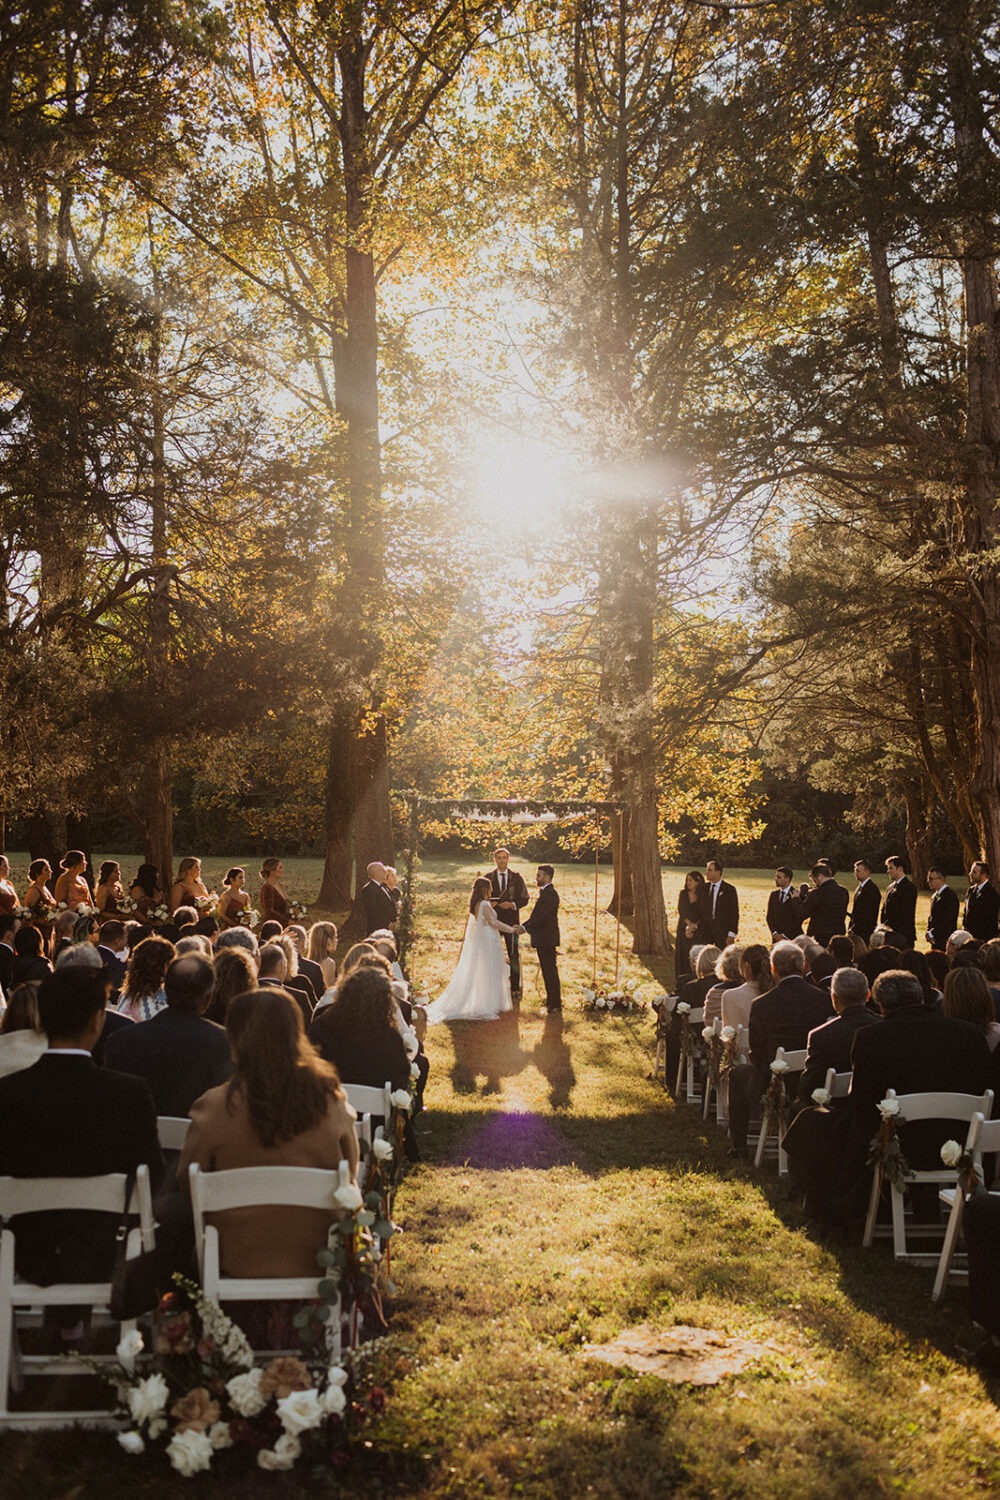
(885, 1151)
(775, 1101)
(608, 999)
(721, 1053)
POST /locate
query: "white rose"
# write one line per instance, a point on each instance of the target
(779, 1066)
(821, 1096)
(382, 1150)
(245, 1393)
(951, 1153)
(283, 1455)
(414, 1071)
(601, 1002)
(219, 1436)
(349, 1196)
(888, 1107)
(411, 1042)
(707, 1033)
(131, 1345)
(157, 1428)
(334, 1401)
(588, 995)
(400, 1099)
(148, 1398)
(190, 1451)
(683, 1008)
(300, 1411)
(728, 1033)
(132, 1442)
(336, 1375)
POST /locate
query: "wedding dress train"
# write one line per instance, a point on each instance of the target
(479, 989)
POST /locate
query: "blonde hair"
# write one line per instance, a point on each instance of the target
(190, 863)
(322, 941)
(268, 866)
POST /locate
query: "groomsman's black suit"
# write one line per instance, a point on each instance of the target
(864, 912)
(783, 915)
(826, 907)
(378, 906)
(982, 908)
(943, 920)
(726, 916)
(64, 1117)
(899, 909)
(543, 929)
(508, 885)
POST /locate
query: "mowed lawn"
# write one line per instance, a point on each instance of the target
(562, 1198)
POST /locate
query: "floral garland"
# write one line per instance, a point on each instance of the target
(687, 1040)
(885, 1151)
(775, 1098)
(970, 1176)
(614, 1000)
(721, 1047)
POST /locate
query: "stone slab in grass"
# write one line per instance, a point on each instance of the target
(681, 1356)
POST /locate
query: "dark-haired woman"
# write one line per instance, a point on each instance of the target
(690, 916)
(274, 902)
(359, 1033)
(479, 989)
(71, 886)
(30, 963)
(39, 899)
(142, 994)
(109, 897)
(283, 1106)
(234, 898)
(146, 891)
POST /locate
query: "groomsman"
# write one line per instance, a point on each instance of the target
(867, 897)
(509, 896)
(982, 905)
(899, 909)
(783, 919)
(943, 919)
(722, 907)
(825, 905)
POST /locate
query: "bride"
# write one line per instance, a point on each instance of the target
(479, 989)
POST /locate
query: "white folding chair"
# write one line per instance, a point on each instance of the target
(367, 1100)
(983, 1138)
(685, 1064)
(722, 1098)
(28, 1195)
(796, 1062)
(664, 1013)
(172, 1131)
(258, 1187)
(837, 1085)
(931, 1106)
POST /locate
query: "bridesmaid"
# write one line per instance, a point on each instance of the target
(71, 885)
(38, 898)
(189, 888)
(690, 915)
(273, 896)
(146, 891)
(235, 898)
(109, 895)
(8, 894)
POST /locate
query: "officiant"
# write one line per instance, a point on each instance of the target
(508, 896)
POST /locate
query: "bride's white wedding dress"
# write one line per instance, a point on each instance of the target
(479, 989)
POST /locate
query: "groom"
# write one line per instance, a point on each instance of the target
(543, 929)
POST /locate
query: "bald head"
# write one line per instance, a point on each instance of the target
(188, 983)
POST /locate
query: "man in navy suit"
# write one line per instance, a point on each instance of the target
(543, 929)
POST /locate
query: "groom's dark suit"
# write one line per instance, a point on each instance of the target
(509, 886)
(543, 928)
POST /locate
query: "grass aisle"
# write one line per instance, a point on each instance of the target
(562, 1198)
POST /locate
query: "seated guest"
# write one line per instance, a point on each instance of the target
(990, 956)
(235, 973)
(937, 967)
(755, 971)
(811, 950)
(184, 916)
(194, 942)
(29, 963)
(272, 976)
(22, 1040)
(830, 1045)
(142, 994)
(694, 991)
(113, 950)
(879, 961)
(727, 972)
(959, 939)
(783, 1017)
(66, 1118)
(208, 928)
(87, 930)
(967, 997)
(293, 979)
(239, 937)
(179, 1054)
(356, 957)
(86, 956)
(322, 951)
(359, 1033)
(283, 1106)
(270, 930)
(841, 950)
(307, 967)
(62, 931)
(915, 963)
(9, 925)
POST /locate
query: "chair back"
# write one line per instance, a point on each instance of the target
(943, 1106)
(984, 1135)
(172, 1131)
(367, 1100)
(837, 1085)
(796, 1060)
(104, 1194)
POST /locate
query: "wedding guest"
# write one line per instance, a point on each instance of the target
(142, 994)
(989, 955)
(392, 886)
(270, 931)
(727, 972)
(755, 973)
(194, 942)
(8, 895)
(179, 1053)
(62, 931)
(113, 949)
(235, 974)
(825, 905)
(71, 886)
(29, 960)
(22, 1040)
(982, 905)
(721, 922)
(915, 963)
(283, 1106)
(146, 890)
(942, 919)
(9, 925)
(239, 937)
(294, 978)
(899, 905)
(959, 939)
(184, 916)
(322, 950)
(272, 972)
(208, 928)
(189, 888)
(783, 917)
(830, 1044)
(273, 899)
(690, 913)
(109, 896)
(87, 930)
(865, 906)
(359, 1033)
(235, 898)
(967, 997)
(307, 966)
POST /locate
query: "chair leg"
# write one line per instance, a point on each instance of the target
(898, 1222)
(873, 1202)
(707, 1092)
(6, 1317)
(765, 1126)
(680, 1077)
(948, 1248)
(722, 1103)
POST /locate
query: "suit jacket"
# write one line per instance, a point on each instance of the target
(943, 919)
(543, 924)
(6, 964)
(517, 891)
(295, 990)
(309, 969)
(784, 1017)
(114, 965)
(64, 1117)
(179, 1055)
(378, 906)
(916, 1051)
(982, 908)
(864, 912)
(826, 908)
(783, 915)
(899, 908)
(726, 917)
(830, 1046)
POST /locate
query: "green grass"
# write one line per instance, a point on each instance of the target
(562, 1198)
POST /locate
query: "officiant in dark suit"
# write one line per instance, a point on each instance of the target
(867, 899)
(508, 896)
(899, 908)
(943, 919)
(543, 928)
(783, 918)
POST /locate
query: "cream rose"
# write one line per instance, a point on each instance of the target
(245, 1393)
(190, 1452)
(951, 1153)
(131, 1344)
(300, 1411)
(349, 1197)
(400, 1099)
(382, 1150)
(147, 1399)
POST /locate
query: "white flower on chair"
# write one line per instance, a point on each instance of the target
(349, 1197)
(728, 1033)
(132, 1443)
(951, 1153)
(400, 1099)
(683, 1009)
(707, 1033)
(821, 1097)
(131, 1344)
(888, 1108)
(382, 1149)
(245, 1393)
(779, 1066)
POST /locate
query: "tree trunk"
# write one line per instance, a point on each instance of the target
(158, 781)
(372, 813)
(622, 866)
(335, 889)
(920, 803)
(41, 839)
(649, 933)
